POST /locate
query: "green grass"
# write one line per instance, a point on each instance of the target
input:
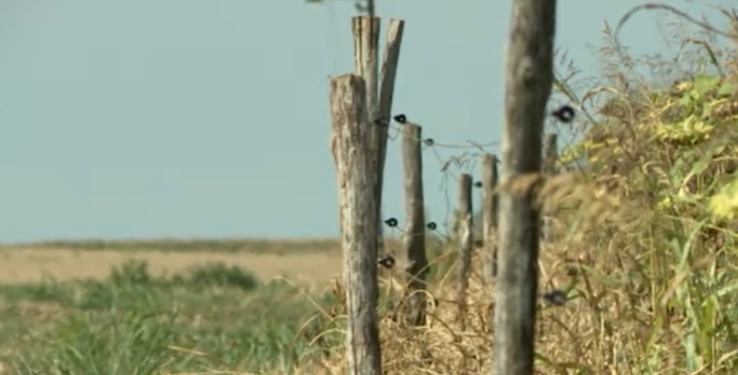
(209, 318)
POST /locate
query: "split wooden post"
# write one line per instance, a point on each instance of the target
(356, 175)
(416, 269)
(489, 215)
(386, 91)
(366, 56)
(365, 30)
(379, 93)
(528, 81)
(466, 239)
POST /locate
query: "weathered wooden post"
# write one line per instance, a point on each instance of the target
(528, 81)
(489, 215)
(379, 93)
(356, 175)
(366, 55)
(465, 239)
(416, 269)
(386, 91)
(365, 30)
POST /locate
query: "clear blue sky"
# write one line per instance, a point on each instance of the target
(209, 118)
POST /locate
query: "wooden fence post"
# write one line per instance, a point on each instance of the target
(379, 93)
(386, 90)
(356, 174)
(465, 239)
(550, 158)
(529, 75)
(366, 55)
(416, 269)
(365, 30)
(489, 215)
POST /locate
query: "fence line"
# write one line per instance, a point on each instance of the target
(415, 229)
(361, 122)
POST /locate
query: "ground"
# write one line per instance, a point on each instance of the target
(29, 265)
(163, 307)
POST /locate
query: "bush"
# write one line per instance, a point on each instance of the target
(218, 275)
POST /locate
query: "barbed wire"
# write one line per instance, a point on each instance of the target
(464, 162)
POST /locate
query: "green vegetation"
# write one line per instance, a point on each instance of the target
(210, 318)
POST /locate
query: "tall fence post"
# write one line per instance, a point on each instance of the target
(356, 174)
(416, 269)
(465, 239)
(550, 158)
(529, 75)
(391, 55)
(365, 31)
(489, 215)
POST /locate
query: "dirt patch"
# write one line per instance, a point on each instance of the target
(32, 265)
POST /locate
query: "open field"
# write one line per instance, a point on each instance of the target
(168, 306)
(69, 308)
(34, 263)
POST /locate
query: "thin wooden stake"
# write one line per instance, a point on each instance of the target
(389, 69)
(465, 242)
(386, 91)
(528, 81)
(356, 174)
(416, 269)
(489, 215)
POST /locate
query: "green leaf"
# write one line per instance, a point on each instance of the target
(726, 90)
(704, 83)
(685, 100)
(702, 163)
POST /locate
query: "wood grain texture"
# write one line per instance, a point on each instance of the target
(490, 178)
(356, 175)
(466, 242)
(528, 81)
(416, 269)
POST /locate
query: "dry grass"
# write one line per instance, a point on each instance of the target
(644, 253)
(33, 265)
(181, 245)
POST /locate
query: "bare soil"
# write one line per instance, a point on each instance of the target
(33, 264)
